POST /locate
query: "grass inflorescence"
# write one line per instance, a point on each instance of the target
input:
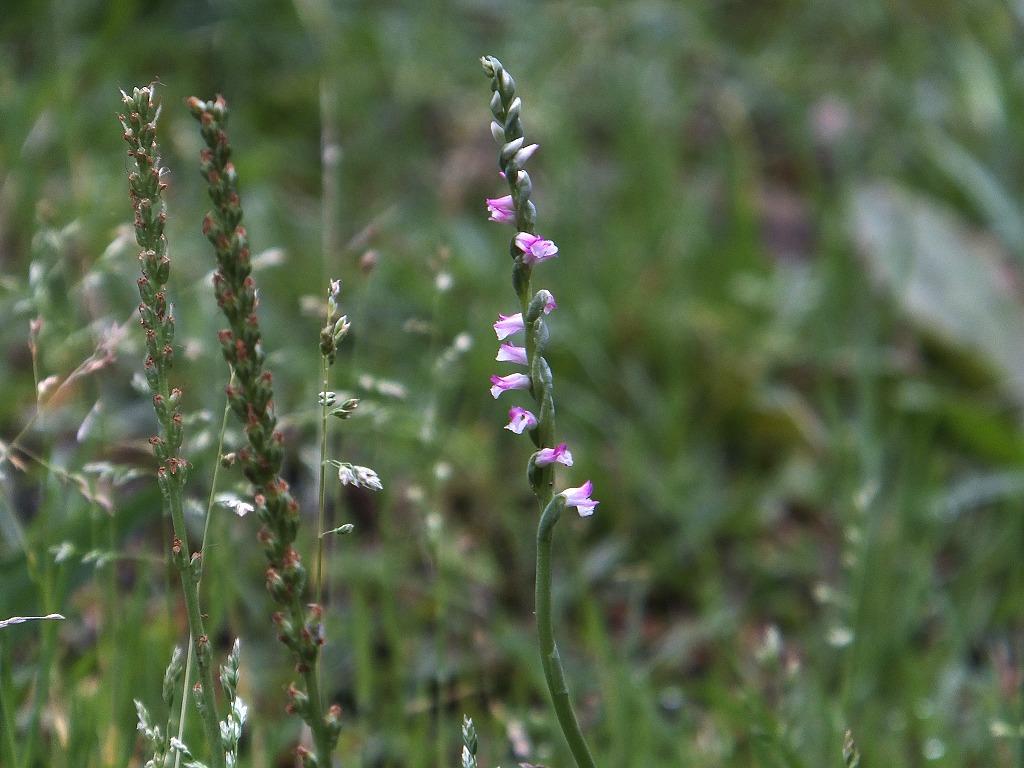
(146, 189)
(299, 625)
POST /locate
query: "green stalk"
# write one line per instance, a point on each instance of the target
(321, 513)
(183, 714)
(507, 129)
(41, 694)
(7, 704)
(189, 573)
(146, 189)
(554, 674)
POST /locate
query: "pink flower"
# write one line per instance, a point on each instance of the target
(507, 325)
(507, 353)
(580, 498)
(550, 305)
(560, 454)
(535, 248)
(520, 420)
(502, 209)
(500, 384)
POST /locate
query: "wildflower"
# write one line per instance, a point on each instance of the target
(513, 381)
(559, 454)
(368, 479)
(232, 502)
(580, 498)
(507, 353)
(535, 248)
(508, 324)
(501, 209)
(520, 420)
(361, 477)
(550, 305)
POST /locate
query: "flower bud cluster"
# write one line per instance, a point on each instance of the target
(336, 326)
(251, 399)
(145, 187)
(231, 726)
(470, 743)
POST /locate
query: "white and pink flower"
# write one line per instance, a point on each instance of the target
(559, 454)
(501, 209)
(580, 498)
(520, 420)
(509, 353)
(507, 325)
(501, 384)
(535, 248)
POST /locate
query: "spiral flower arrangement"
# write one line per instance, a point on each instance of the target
(528, 249)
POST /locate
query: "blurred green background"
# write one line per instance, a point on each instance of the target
(789, 351)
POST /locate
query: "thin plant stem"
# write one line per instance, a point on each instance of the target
(146, 188)
(198, 639)
(330, 160)
(321, 512)
(554, 674)
(42, 686)
(182, 716)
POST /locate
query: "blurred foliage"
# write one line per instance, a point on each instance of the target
(787, 351)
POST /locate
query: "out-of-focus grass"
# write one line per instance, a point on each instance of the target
(780, 436)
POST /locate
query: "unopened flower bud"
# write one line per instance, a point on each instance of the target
(497, 132)
(341, 327)
(509, 150)
(172, 676)
(524, 154)
(346, 409)
(298, 701)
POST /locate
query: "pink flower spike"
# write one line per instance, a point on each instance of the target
(560, 454)
(502, 209)
(535, 248)
(580, 498)
(520, 420)
(508, 324)
(507, 353)
(501, 384)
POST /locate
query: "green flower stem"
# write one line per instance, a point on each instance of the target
(507, 129)
(550, 660)
(205, 690)
(146, 190)
(182, 716)
(321, 512)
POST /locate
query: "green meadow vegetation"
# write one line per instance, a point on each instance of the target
(788, 350)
